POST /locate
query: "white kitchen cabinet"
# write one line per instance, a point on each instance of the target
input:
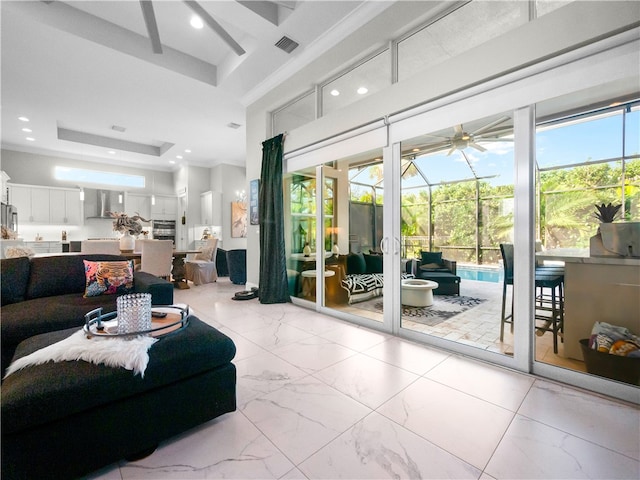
(211, 208)
(138, 205)
(32, 203)
(44, 247)
(166, 208)
(5, 180)
(64, 207)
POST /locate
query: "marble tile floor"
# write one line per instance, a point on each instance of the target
(480, 326)
(321, 398)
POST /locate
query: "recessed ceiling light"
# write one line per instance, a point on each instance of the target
(415, 150)
(31, 139)
(335, 92)
(179, 157)
(27, 130)
(172, 162)
(23, 119)
(362, 90)
(187, 151)
(196, 22)
(111, 152)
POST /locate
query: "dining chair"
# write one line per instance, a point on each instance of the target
(202, 269)
(552, 302)
(156, 257)
(100, 246)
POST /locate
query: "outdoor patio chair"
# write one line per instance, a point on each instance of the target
(440, 270)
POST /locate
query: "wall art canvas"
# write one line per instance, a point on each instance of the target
(238, 219)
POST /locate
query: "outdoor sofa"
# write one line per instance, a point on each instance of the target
(359, 276)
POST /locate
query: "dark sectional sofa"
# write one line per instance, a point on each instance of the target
(44, 294)
(66, 419)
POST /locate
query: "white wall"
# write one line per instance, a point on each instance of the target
(229, 179)
(187, 183)
(34, 169)
(565, 29)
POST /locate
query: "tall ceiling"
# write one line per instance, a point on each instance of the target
(78, 69)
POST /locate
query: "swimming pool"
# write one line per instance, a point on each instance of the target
(479, 273)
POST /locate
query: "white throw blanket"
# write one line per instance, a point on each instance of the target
(130, 353)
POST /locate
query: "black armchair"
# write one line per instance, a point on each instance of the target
(237, 264)
(440, 270)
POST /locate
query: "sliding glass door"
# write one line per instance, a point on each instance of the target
(334, 236)
(456, 208)
(445, 232)
(588, 185)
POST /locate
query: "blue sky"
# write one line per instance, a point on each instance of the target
(599, 138)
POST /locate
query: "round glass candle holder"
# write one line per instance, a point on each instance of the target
(134, 313)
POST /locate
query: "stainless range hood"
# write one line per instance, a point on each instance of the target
(100, 203)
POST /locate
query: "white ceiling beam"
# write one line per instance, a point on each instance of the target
(76, 22)
(115, 143)
(267, 10)
(151, 24)
(215, 26)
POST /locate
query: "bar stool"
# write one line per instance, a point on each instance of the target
(553, 302)
(545, 278)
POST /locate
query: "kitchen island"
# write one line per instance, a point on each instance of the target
(604, 289)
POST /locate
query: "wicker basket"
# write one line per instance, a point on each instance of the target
(616, 367)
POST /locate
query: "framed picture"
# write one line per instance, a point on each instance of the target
(238, 219)
(254, 190)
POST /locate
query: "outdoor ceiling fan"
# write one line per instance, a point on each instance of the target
(463, 139)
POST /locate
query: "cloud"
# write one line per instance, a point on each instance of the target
(498, 148)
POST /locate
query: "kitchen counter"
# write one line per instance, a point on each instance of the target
(44, 246)
(605, 289)
(581, 255)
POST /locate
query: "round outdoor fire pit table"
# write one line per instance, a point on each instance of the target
(417, 293)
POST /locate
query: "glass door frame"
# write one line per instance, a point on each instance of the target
(523, 301)
(590, 67)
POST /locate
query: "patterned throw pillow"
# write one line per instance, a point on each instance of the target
(14, 252)
(205, 254)
(109, 278)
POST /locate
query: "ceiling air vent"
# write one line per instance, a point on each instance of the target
(118, 128)
(286, 44)
(233, 125)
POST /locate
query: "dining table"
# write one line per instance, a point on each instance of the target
(178, 270)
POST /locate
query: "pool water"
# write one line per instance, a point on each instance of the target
(482, 274)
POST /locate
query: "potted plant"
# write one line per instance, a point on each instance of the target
(607, 213)
(129, 227)
(614, 239)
